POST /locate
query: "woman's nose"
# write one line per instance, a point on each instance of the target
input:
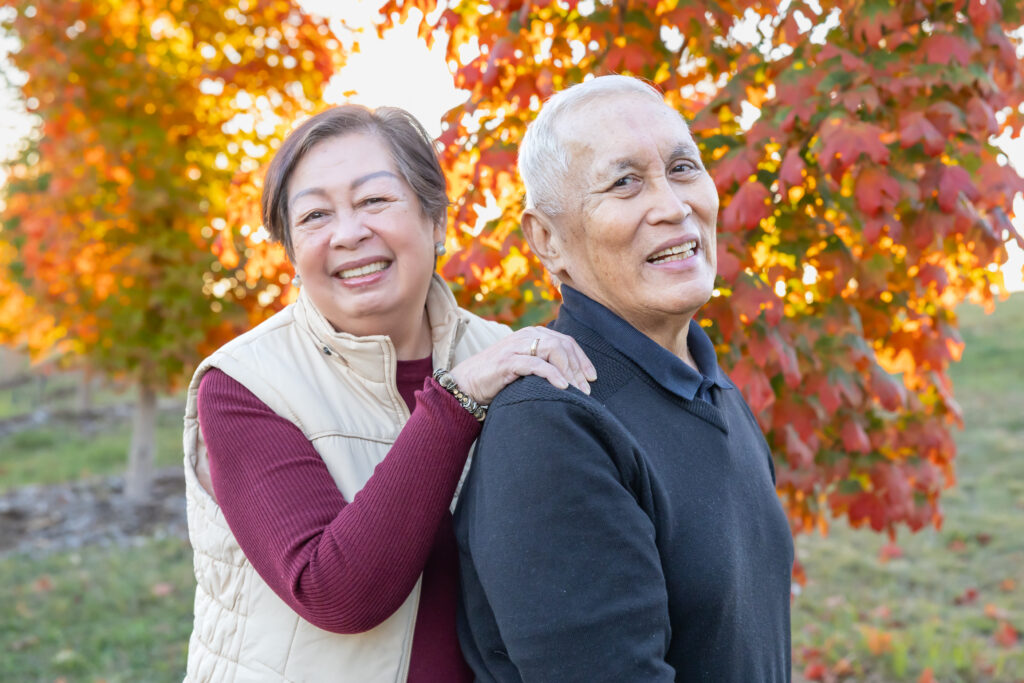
(348, 230)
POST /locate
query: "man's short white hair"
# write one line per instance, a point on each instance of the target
(543, 157)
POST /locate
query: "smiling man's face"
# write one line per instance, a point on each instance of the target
(638, 230)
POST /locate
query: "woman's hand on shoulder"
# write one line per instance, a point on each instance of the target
(529, 351)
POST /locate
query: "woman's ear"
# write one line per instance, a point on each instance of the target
(545, 241)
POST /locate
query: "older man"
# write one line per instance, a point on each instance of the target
(633, 534)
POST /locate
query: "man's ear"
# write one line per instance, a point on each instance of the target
(545, 241)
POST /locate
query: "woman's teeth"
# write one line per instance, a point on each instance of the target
(363, 270)
(676, 253)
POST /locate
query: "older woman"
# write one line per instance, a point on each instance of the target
(318, 478)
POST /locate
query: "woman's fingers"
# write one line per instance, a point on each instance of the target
(525, 365)
(558, 350)
(529, 351)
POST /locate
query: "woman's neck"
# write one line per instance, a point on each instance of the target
(414, 342)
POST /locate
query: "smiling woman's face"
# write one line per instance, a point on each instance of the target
(362, 245)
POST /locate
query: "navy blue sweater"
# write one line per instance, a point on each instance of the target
(630, 535)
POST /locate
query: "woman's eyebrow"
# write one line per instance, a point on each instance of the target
(368, 177)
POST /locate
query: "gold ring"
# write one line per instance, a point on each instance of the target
(534, 345)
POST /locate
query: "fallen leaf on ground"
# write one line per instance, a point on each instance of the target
(994, 612)
(1005, 635)
(162, 589)
(43, 584)
(967, 597)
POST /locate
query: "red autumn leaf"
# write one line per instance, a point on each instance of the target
(969, 596)
(736, 167)
(755, 386)
(815, 671)
(915, 128)
(926, 676)
(728, 264)
(791, 170)
(748, 207)
(954, 181)
(849, 61)
(798, 454)
(984, 12)
(890, 551)
(875, 21)
(855, 439)
(890, 394)
(828, 395)
(980, 116)
(876, 190)
(1005, 635)
(843, 143)
(943, 48)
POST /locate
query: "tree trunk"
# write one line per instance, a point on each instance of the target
(84, 395)
(142, 452)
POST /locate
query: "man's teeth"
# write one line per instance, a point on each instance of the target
(676, 253)
(363, 270)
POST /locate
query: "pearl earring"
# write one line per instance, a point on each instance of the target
(439, 248)
(297, 280)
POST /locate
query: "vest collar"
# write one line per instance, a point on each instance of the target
(373, 357)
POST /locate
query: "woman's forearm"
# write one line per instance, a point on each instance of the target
(343, 566)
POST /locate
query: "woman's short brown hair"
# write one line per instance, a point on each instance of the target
(411, 148)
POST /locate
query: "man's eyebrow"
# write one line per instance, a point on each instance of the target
(619, 165)
(685, 149)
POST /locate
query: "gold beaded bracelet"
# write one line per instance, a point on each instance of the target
(447, 382)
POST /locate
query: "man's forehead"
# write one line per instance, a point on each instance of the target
(597, 155)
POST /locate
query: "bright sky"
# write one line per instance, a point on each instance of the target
(401, 71)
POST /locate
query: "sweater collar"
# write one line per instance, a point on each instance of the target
(373, 357)
(663, 366)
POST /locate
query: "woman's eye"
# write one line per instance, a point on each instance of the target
(311, 216)
(372, 201)
(683, 167)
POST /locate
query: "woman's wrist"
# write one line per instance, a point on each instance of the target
(448, 383)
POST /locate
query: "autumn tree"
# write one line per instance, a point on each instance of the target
(862, 199)
(147, 111)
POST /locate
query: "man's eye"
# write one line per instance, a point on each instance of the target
(624, 181)
(684, 167)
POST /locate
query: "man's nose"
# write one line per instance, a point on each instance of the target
(668, 205)
(348, 230)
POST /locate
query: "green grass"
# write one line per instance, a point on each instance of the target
(115, 616)
(61, 451)
(942, 604)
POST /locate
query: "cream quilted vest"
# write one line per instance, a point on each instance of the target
(340, 391)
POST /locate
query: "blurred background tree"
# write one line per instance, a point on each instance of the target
(146, 112)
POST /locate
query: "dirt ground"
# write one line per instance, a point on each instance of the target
(38, 519)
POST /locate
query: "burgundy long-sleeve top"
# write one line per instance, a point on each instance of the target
(346, 566)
